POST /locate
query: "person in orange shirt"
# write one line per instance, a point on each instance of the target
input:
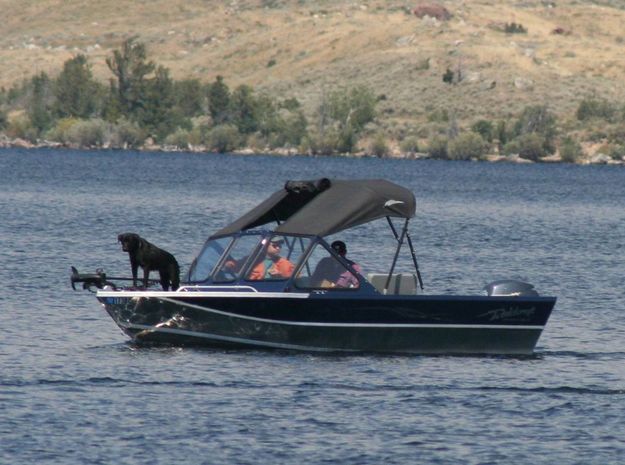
(272, 266)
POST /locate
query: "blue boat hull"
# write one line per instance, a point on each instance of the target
(322, 323)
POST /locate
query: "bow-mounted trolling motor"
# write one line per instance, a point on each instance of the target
(90, 280)
(98, 280)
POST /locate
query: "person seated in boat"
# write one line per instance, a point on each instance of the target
(331, 273)
(272, 265)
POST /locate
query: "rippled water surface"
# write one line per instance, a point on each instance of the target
(74, 390)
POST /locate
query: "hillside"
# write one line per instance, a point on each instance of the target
(303, 48)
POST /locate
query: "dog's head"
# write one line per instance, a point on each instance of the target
(130, 241)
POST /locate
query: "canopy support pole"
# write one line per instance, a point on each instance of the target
(390, 223)
(414, 260)
(400, 241)
(412, 252)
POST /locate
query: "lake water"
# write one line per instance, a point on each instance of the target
(73, 390)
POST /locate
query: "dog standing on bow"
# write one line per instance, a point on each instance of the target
(150, 258)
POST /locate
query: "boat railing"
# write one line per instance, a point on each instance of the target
(204, 288)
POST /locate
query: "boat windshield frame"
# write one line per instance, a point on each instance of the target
(242, 273)
(245, 263)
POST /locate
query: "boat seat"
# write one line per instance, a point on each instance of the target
(401, 283)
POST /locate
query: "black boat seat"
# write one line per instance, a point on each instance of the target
(401, 283)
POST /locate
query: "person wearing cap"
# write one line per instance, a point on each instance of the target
(272, 266)
(346, 278)
(330, 273)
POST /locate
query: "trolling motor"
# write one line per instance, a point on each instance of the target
(89, 280)
(99, 279)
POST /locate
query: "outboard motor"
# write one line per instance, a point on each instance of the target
(510, 288)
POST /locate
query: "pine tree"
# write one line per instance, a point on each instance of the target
(219, 100)
(75, 90)
(131, 71)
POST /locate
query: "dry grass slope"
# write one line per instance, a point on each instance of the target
(315, 46)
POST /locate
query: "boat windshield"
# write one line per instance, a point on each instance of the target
(257, 258)
(237, 258)
(204, 264)
(253, 257)
(277, 258)
(322, 270)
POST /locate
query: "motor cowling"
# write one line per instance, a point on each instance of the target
(510, 288)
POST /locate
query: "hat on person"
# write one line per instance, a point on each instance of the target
(339, 246)
(277, 241)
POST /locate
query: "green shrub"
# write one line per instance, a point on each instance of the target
(539, 120)
(597, 135)
(260, 143)
(437, 147)
(316, 143)
(514, 28)
(179, 139)
(22, 128)
(224, 138)
(379, 146)
(596, 108)
(87, 133)
(616, 133)
(196, 136)
(200, 131)
(127, 134)
(59, 132)
(502, 134)
(439, 115)
(288, 129)
(467, 146)
(4, 120)
(614, 151)
(448, 76)
(347, 140)
(512, 148)
(351, 109)
(570, 150)
(531, 146)
(485, 129)
(331, 141)
(617, 152)
(410, 144)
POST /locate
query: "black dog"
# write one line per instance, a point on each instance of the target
(149, 257)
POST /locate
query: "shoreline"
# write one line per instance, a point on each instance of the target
(8, 143)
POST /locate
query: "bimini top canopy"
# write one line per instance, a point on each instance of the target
(325, 206)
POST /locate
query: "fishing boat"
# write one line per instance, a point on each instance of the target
(271, 280)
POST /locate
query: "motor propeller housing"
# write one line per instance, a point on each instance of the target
(88, 280)
(510, 287)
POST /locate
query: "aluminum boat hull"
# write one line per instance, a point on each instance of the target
(324, 322)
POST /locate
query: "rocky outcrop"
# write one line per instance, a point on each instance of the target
(433, 10)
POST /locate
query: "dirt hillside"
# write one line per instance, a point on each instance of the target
(303, 48)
